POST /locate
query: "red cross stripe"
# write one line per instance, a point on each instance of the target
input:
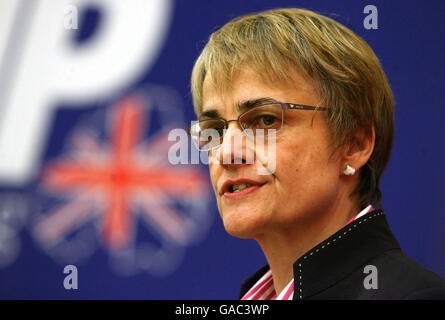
(120, 177)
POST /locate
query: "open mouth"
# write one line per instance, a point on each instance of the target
(237, 189)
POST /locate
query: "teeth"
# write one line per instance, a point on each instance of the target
(239, 187)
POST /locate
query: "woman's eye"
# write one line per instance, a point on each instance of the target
(268, 120)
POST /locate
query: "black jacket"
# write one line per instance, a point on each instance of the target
(335, 268)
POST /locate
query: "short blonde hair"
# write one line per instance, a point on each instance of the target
(345, 70)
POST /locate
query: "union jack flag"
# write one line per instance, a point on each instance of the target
(124, 177)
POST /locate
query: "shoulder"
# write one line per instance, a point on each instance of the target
(400, 277)
(390, 275)
(437, 293)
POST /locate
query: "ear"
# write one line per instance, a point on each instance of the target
(358, 151)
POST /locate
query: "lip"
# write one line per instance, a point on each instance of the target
(225, 190)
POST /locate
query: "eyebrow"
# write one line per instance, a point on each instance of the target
(242, 106)
(212, 114)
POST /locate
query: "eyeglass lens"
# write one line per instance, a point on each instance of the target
(260, 120)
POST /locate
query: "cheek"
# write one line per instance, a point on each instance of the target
(306, 185)
(213, 170)
(305, 166)
(215, 173)
(296, 159)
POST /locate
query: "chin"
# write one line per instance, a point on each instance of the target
(244, 226)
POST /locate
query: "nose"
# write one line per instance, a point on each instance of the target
(234, 147)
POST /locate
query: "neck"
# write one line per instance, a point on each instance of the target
(284, 246)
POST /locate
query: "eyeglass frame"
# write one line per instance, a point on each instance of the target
(284, 106)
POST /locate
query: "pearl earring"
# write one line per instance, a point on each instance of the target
(349, 171)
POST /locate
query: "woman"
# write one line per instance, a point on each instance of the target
(320, 91)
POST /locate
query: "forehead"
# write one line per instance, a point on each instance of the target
(248, 85)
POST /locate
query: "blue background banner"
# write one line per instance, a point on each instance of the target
(90, 90)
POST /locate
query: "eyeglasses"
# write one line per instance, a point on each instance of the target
(260, 120)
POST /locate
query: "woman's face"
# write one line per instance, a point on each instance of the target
(305, 182)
